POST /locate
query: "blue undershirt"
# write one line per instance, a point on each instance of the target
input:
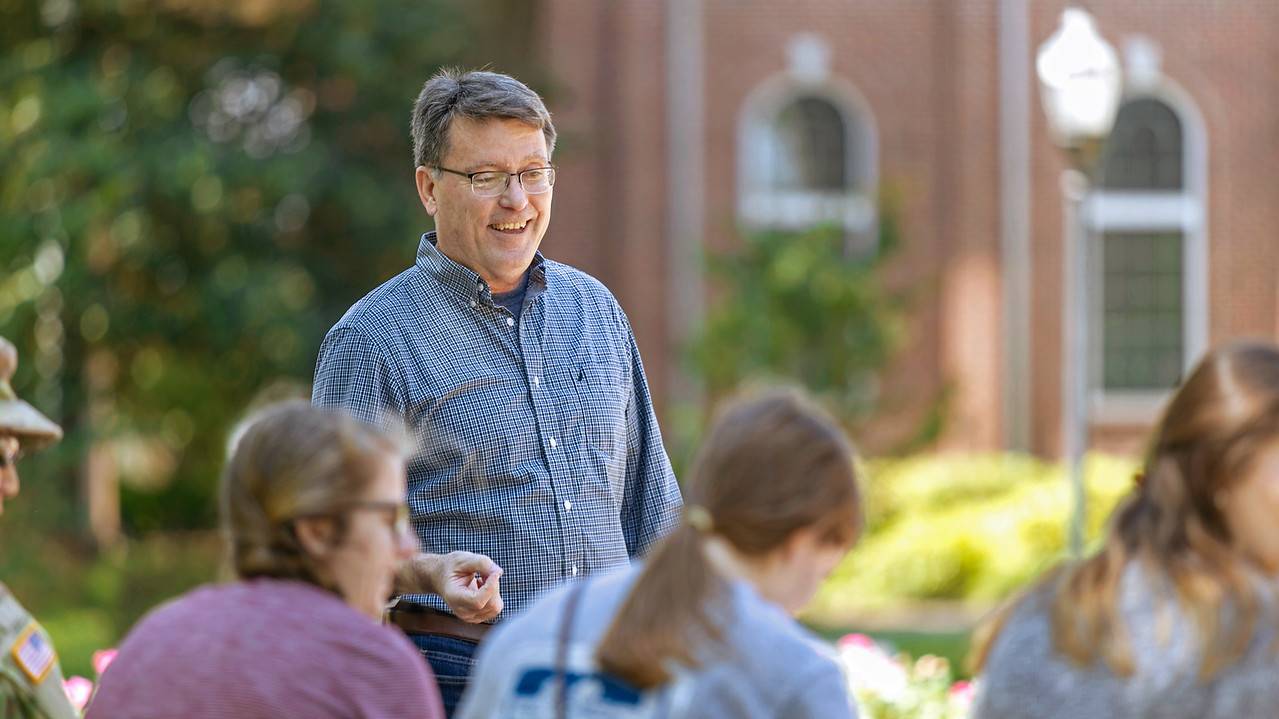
(513, 301)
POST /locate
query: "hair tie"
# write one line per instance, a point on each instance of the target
(699, 519)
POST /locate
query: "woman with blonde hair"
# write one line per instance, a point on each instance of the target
(313, 510)
(1175, 616)
(702, 628)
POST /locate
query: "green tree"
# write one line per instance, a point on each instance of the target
(191, 192)
(799, 307)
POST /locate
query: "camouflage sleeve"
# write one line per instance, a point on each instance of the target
(52, 699)
(16, 699)
(30, 679)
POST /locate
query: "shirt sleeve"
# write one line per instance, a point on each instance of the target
(353, 374)
(651, 503)
(52, 698)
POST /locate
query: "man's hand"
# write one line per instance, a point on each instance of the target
(467, 582)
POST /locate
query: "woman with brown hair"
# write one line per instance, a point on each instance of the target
(1175, 616)
(313, 510)
(701, 629)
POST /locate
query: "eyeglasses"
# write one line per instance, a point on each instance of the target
(492, 183)
(396, 513)
(10, 451)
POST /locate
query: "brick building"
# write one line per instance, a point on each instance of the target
(688, 121)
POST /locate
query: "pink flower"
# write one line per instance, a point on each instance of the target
(860, 641)
(869, 669)
(102, 659)
(78, 690)
(962, 693)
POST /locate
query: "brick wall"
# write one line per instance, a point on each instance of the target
(929, 71)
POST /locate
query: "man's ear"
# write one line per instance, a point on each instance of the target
(315, 534)
(426, 186)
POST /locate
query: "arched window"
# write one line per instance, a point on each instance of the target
(811, 148)
(807, 156)
(1149, 268)
(1145, 151)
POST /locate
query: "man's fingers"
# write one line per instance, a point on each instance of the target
(473, 589)
(475, 594)
(475, 614)
(471, 563)
(484, 604)
(490, 590)
(487, 575)
(482, 615)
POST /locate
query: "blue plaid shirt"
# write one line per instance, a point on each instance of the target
(538, 442)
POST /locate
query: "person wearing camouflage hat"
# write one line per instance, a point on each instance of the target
(30, 678)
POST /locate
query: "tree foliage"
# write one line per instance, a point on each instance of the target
(191, 192)
(799, 307)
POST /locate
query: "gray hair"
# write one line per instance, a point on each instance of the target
(477, 95)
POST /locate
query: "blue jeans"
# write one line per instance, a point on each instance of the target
(452, 660)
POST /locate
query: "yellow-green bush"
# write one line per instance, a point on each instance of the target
(966, 527)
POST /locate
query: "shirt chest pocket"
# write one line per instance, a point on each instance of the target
(479, 431)
(602, 386)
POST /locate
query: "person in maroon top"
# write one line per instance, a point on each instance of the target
(313, 508)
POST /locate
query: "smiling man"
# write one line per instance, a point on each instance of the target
(520, 375)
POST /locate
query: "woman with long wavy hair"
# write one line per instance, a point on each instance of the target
(701, 629)
(1175, 616)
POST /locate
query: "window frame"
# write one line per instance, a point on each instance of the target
(1153, 211)
(761, 206)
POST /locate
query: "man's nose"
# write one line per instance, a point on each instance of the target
(515, 198)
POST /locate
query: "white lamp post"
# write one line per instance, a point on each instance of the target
(1080, 86)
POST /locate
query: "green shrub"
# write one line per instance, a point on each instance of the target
(970, 528)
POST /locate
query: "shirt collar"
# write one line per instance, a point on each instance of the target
(462, 280)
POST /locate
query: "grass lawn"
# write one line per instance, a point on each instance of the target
(77, 634)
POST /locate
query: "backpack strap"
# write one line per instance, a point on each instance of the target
(561, 650)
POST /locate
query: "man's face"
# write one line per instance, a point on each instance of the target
(8, 469)
(494, 236)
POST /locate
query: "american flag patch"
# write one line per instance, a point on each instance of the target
(33, 653)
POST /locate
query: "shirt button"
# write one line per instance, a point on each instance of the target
(552, 443)
(574, 570)
(567, 505)
(510, 321)
(535, 381)
(474, 303)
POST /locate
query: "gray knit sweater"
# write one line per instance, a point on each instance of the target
(1026, 677)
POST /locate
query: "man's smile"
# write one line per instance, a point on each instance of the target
(510, 228)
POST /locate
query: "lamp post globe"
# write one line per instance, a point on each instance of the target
(1080, 85)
